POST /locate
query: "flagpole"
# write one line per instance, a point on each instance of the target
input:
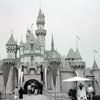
(76, 42)
(94, 54)
(77, 38)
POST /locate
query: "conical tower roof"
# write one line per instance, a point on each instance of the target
(95, 66)
(40, 15)
(11, 41)
(77, 54)
(70, 54)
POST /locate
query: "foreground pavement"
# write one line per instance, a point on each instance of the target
(35, 97)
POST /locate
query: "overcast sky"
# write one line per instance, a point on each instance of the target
(64, 18)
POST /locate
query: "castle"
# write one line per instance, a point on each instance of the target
(35, 61)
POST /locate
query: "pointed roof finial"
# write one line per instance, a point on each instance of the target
(52, 43)
(77, 38)
(40, 15)
(32, 28)
(11, 31)
(94, 54)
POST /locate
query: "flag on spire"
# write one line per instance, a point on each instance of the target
(78, 37)
(95, 51)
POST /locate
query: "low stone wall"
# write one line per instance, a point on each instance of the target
(9, 96)
(58, 96)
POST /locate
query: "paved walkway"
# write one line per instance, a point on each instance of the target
(35, 97)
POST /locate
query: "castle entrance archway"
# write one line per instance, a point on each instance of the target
(30, 82)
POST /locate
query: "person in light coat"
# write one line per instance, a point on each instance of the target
(81, 93)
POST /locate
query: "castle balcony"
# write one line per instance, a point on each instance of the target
(9, 61)
(40, 21)
(40, 31)
(77, 64)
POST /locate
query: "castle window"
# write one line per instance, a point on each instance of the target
(32, 58)
(32, 47)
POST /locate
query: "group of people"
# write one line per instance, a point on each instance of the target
(31, 89)
(82, 94)
(18, 93)
(34, 88)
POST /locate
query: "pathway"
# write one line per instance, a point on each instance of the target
(35, 97)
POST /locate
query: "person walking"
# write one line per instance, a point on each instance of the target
(90, 91)
(40, 89)
(33, 87)
(29, 89)
(16, 93)
(81, 93)
(21, 93)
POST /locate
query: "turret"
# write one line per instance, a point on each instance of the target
(11, 48)
(75, 61)
(28, 34)
(41, 32)
(21, 48)
(96, 74)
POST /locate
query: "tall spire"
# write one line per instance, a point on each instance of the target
(52, 44)
(40, 18)
(40, 15)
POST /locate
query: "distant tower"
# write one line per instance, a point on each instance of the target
(75, 61)
(11, 48)
(41, 32)
(96, 75)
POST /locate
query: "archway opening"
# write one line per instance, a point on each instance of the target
(30, 82)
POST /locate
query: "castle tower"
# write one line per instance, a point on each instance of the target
(96, 81)
(54, 63)
(11, 48)
(41, 32)
(75, 61)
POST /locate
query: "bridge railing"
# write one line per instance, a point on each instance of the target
(58, 96)
(9, 96)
